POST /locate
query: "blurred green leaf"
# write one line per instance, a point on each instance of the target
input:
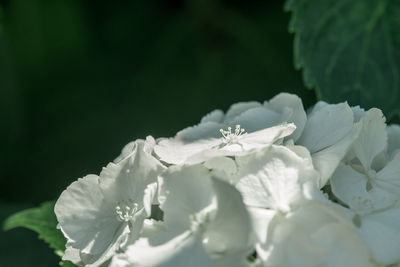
(67, 264)
(41, 220)
(349, 50)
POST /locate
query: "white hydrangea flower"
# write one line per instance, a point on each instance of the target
(327, 131)
(328, 134)
(206, 224)
(357, 183)
(380, 231)
(238, 142)
(245, 180)
(96, 214)
(130, 147)
(276, 178)
(252, 116)
(317, 234)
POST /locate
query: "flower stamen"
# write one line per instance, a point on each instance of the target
(126, 210)
(230, 137)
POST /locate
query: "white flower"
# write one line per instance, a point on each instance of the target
(380, 231)
(97, 213)
(328, 134)
(276, 178)
(130, 147)
(357, 183)
(248, 180)
(327, 131)
(206, 224)
(317, 234)
(393, 146)
(252, 116)
(177, 151)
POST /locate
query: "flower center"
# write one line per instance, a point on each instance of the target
(230, 137)
(371, 175)
(362, 204)
(126, 210)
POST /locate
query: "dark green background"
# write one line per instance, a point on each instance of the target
(80, 79)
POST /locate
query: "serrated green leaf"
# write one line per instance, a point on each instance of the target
(349, 50)
(41, 220)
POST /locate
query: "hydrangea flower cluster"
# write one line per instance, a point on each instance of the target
(264, 184)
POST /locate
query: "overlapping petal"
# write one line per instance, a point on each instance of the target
(274, 178)
(174, 151)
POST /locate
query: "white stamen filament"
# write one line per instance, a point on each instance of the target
(126, 210)
(229, 137)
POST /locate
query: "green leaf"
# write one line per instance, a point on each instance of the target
(41, 220)
(349, 50)
(67, 264)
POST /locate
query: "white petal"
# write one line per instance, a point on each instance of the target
(393, 146)
(291, 109)
(185, 250)
(130, 147)
(72, 254)
(326, 126)
(184, 190)
(388, 179)
(238, 108)
(128, 179)
(174, 151)
(358, 113)
(381, 233)
(256, 119)
(326, 160)
(136, 225)
(222, 167)
(266, 137)
(260, 219)
(372, 139)
(345, 246)
(149, 199)
(85, 217)
(231, 229)
(274, 178)
(317, 234)
(350, 187)
(318, 106)
(214, 116)
(99, 259)
(203, 130)
(126, 151)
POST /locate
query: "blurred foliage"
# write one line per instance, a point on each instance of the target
(43, 221)
(349, 50)
(21, 247)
